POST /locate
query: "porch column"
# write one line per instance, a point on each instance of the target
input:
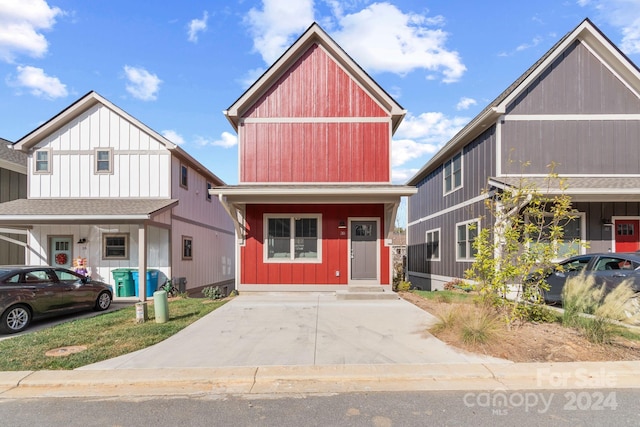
(142, 262)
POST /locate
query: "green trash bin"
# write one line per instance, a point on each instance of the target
(125, 286)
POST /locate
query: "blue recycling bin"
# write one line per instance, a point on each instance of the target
(152, 281)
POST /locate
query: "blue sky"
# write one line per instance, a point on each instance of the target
(176, 65)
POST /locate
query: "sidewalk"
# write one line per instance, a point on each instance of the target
(309, 343)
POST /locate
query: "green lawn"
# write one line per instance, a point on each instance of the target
(105, 336)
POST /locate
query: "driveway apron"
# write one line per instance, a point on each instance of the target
(261, 329)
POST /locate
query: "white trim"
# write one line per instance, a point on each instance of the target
(498, 155)
(468, 258)
(5, 164)
(452, 208)
(613, 228)
(377, 119)
(438, 258)
(569, 117)
(292, 259)
(375, 281)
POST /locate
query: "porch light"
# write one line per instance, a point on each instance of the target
(342, 224)
(82, 240)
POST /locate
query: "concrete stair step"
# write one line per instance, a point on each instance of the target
(365, 293)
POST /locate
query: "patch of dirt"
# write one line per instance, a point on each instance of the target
(535, 342)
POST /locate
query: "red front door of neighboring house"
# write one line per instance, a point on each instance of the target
(627, 238)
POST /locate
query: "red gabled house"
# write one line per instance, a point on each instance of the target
(314, 208)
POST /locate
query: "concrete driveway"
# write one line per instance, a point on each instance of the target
(261, 329)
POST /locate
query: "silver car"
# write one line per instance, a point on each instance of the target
(28, 293)
(609, 269)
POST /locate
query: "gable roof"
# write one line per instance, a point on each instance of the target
(313, 35)
(12, 159)
(87, 101)
(587, 33)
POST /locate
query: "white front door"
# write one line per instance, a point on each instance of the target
(60, 253)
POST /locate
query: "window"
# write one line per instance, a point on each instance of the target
(466, 234)
(104, 160)
(293, 238)
(433, 245)
(572, 236)
(453, 174)
(43, 161)
(209, 187)
(187, 247)
(184, 176)
(115, 246)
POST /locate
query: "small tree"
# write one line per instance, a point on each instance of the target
(518, 252)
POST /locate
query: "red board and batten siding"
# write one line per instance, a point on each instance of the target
(334, 247)
(315, 124)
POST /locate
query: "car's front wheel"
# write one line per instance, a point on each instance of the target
(15, 319)
(103, 302)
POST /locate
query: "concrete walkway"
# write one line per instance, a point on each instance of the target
(265, 329)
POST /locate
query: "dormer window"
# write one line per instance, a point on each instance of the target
(43, 161)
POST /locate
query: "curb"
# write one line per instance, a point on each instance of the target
(318, 379)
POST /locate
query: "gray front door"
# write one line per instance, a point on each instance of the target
(364, 251)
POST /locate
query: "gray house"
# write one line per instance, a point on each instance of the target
(13, 185)
(578, 106)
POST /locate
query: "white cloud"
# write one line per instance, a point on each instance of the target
(623, 14)
(226, 140)
(142, 84)
(38, 83)
(197, 26)
(465, 103)
(173, 136)
(534, 42)
(383, 38)
(20, 26)
(277, 25)
(402, 175)
(422, 135)
(250, 77)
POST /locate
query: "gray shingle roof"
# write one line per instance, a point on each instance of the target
(11, 155)
(583, 185)
(76, 208)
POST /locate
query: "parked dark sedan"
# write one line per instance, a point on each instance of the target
(608, 269)
(28, 293)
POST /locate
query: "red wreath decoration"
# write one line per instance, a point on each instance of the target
(61, 259)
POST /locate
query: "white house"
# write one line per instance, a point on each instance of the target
(105, 188)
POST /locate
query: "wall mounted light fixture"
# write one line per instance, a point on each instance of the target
(342, 224)
(82, 240)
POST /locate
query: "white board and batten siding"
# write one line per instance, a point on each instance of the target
(138, 160)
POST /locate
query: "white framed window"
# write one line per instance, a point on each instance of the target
(453, 173)
(184, 176)
(42, 161)
(573, 236)
(103, 160)
(432, 240)
(115, 246)
(293, 238)
(466, 233)
(187, 247)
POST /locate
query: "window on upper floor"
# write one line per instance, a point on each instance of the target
(453, 173)
(208, 195)
(115, 246)
(187, 247)
(42, 161)
(466, 233)
(104, 160)
(433, 245)
(184, 176)
(293, 238)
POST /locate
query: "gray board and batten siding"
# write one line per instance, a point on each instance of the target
(435, 210)
(13, 185)
(581, 88)
(578, 113)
